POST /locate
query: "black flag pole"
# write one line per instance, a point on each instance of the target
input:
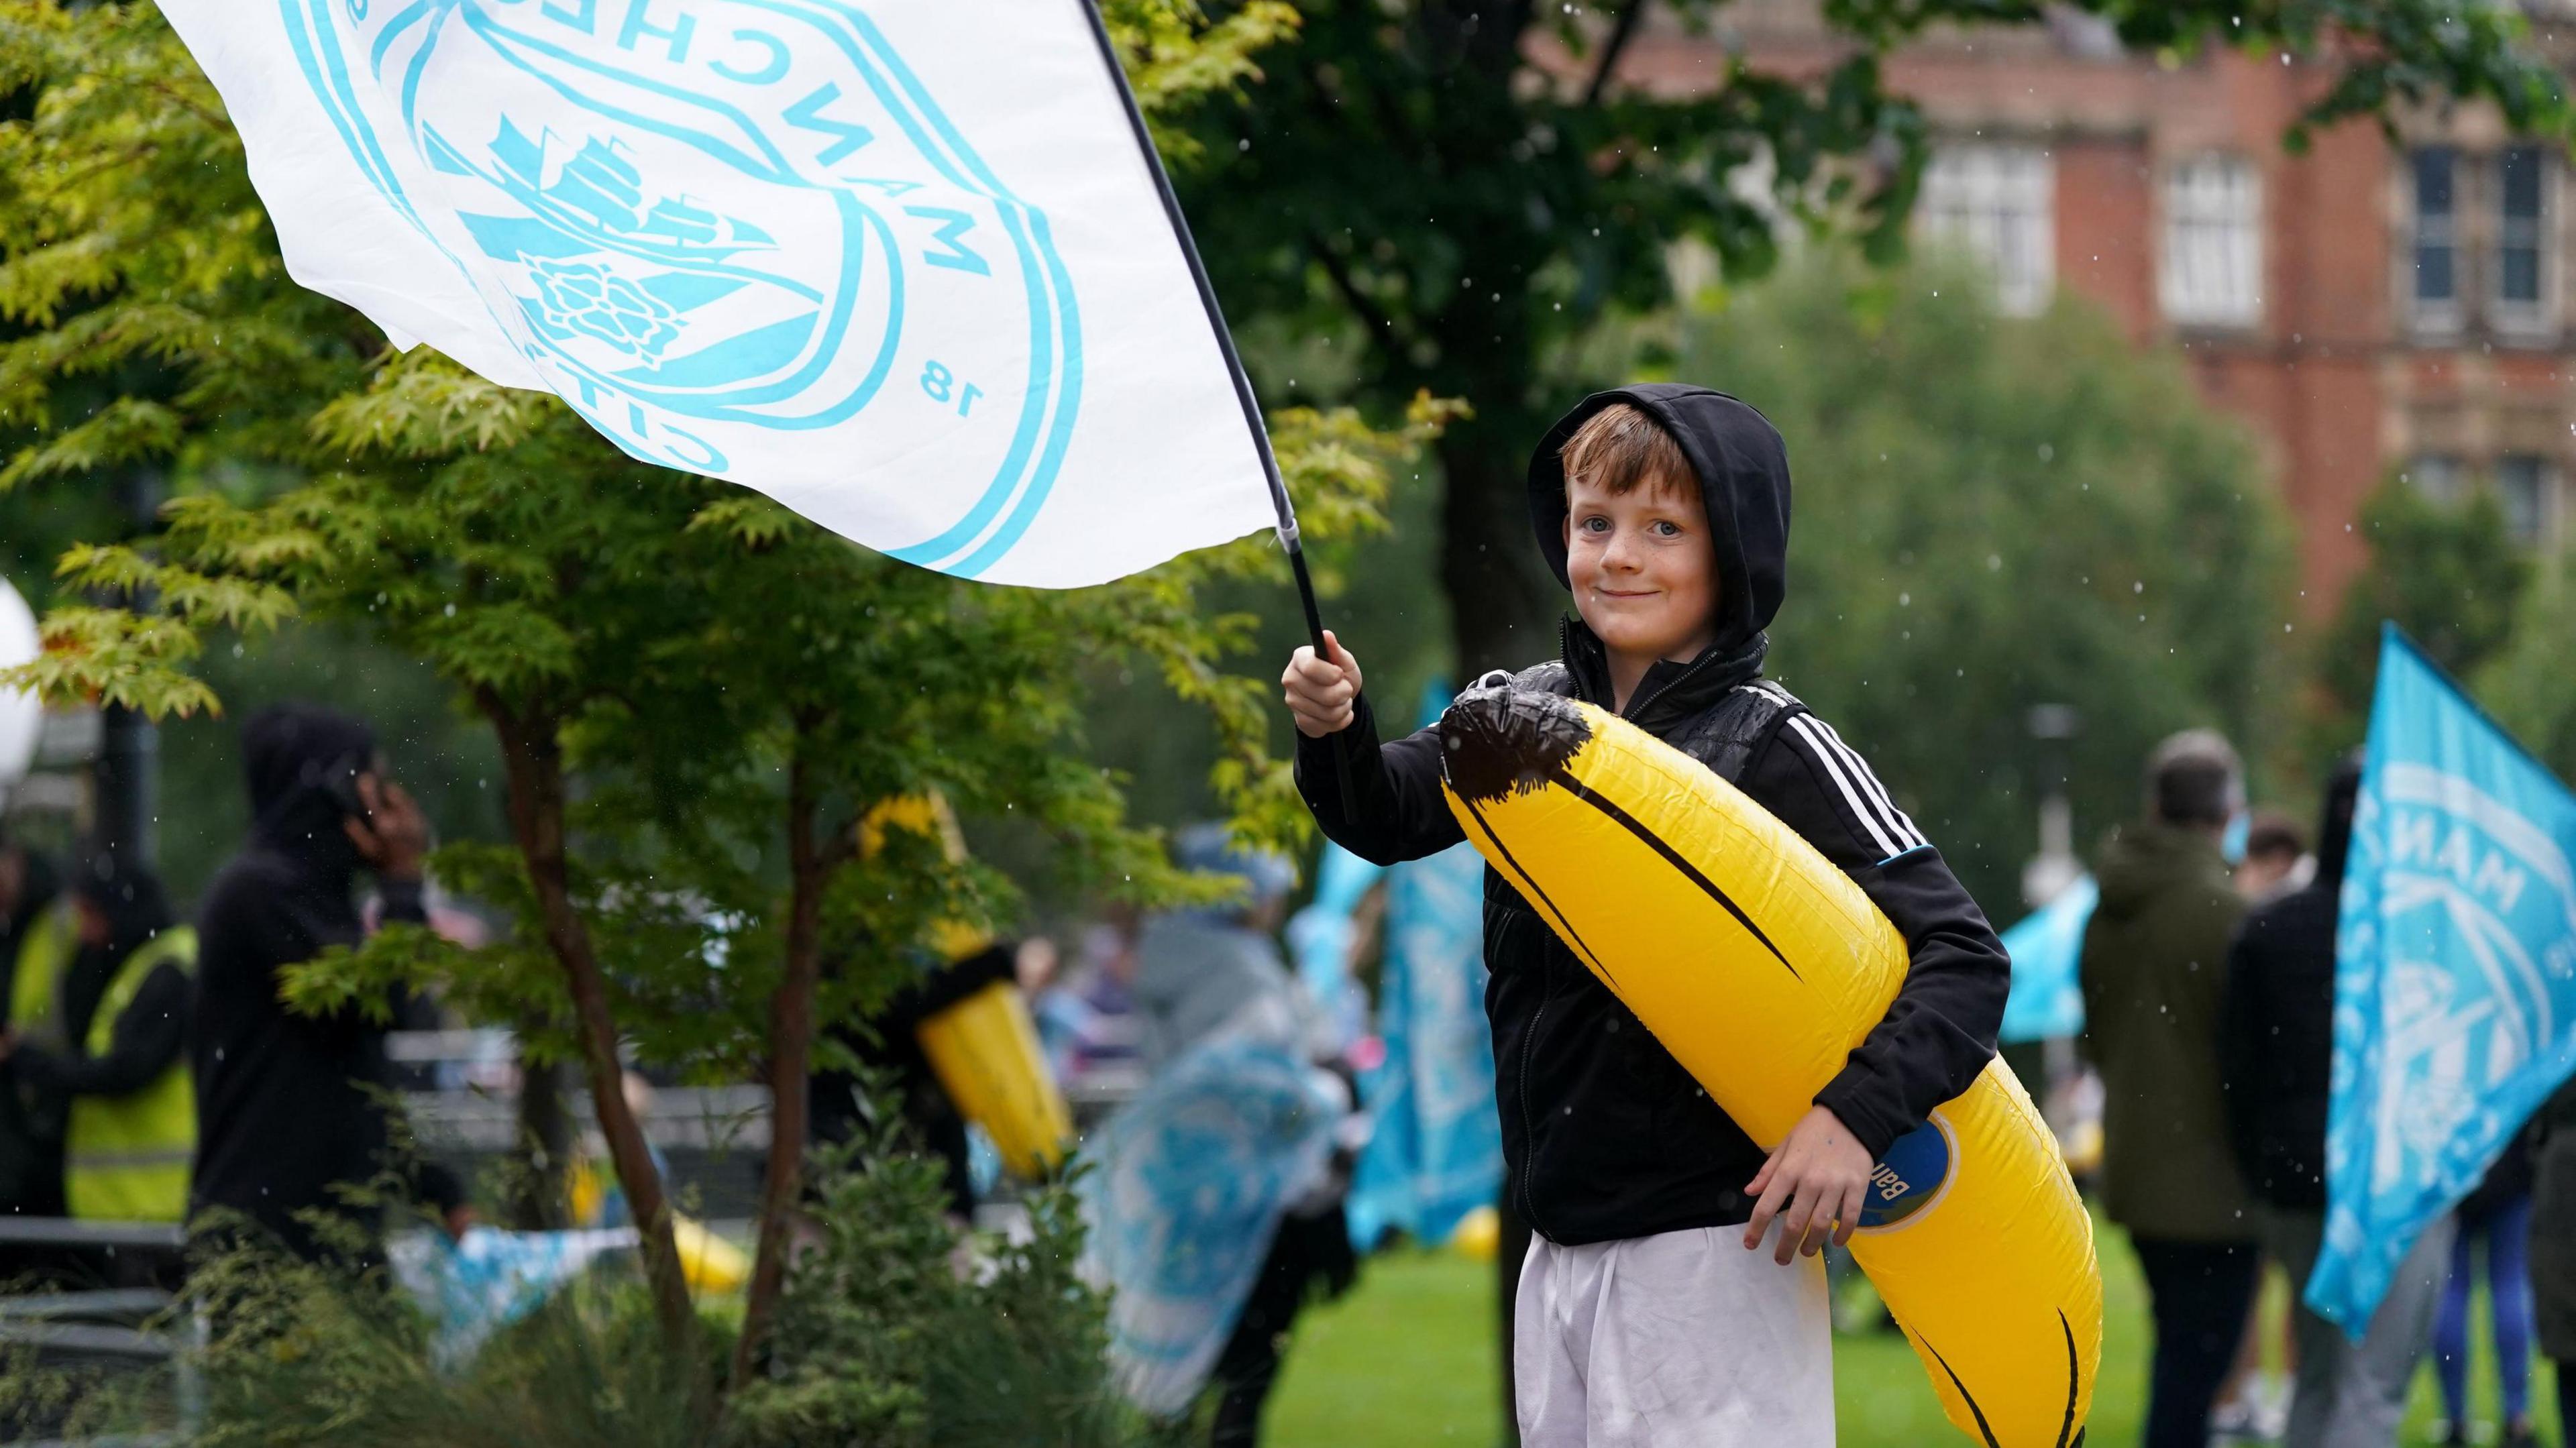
(1279, 500)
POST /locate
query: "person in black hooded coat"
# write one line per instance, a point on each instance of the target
(2276, 1060)
(285, 1104)
(1606, 1139)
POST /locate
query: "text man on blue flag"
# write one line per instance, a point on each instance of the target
(2455, 990)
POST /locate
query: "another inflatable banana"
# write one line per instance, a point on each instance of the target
(984, 1049)
(1759, 965)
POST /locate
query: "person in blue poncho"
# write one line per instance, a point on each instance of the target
(1203, 973)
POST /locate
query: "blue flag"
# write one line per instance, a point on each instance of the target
(2047, 998)
(1437, 1152)
(2455, 982)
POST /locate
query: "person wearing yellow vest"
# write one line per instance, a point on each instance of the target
(117, 1057)
(37, 940)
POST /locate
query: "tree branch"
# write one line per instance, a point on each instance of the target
(1380, 322)
(533, 763)
(810, 863)
(1620, 33)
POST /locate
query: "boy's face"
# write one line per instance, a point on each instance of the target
(1643, 566)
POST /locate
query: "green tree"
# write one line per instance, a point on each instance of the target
(2528, 682)
(1994, 514)
(695, 695)
(1455, 191)
(2449, 573)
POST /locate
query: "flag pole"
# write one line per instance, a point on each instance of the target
(1243, 394)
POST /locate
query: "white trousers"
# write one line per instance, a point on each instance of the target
(1683, 1340)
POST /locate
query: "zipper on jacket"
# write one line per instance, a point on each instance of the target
(1636, 706)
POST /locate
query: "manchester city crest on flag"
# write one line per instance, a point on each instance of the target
(2455, 992)
(856, 256)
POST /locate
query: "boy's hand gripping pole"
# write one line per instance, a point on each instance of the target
(1279, 500)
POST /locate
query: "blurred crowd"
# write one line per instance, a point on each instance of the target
(2208, 975)
(153, 1075)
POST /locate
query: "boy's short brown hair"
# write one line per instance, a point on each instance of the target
(1620, 448)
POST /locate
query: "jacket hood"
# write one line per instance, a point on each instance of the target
(128, 895)
(298, 760)
(2139, 862)
(1743, 470)
(37, 888)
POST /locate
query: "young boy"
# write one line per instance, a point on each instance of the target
(1645, 1317)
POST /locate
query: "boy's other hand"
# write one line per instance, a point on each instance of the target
(1814, 1183)
(1320, 691)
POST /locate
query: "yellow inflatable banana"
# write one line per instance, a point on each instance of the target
(984, 1049)
(1759, 965)
(985, 1052)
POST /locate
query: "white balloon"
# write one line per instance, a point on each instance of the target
(21, 717)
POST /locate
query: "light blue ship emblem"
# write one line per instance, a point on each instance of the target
(719, 225)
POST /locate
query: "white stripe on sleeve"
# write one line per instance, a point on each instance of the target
(1869, 781)
(1804, 727)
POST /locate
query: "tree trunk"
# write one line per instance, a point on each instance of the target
(533, 757)
(1503, 602)
(544, 1137)
(810, 862)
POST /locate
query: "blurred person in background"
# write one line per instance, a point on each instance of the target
(1197, 973)
(887, 1048)
(2276, 857)
(118, 1061)
(2496, 1218)
(2553, 1242)
(38, 936)
(1086, 1010)
(2153, 967)
(288, 1105)
(2274, 862)
(2277, 1050)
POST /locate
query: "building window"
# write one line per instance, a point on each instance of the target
(2521, 241)
(2438, 476)
(2436, 197)
(1997, 203)
(2526, 486)
(2213, 263)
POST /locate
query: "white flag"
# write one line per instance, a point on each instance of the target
(900, 265)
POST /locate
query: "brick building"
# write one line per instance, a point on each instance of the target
(2370, 308)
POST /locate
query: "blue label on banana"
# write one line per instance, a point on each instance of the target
(1912, 1176)
(1760, 966)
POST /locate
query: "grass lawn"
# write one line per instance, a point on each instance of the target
(1407, 1359)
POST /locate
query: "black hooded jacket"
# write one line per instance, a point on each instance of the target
(2276, 1024)
(1605, 1136)
(283, 1104)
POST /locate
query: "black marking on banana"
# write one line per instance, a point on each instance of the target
(1495, 743)
(1672, 857)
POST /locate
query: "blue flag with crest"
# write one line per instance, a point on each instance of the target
(2455, 983)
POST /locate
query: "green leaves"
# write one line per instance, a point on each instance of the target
(2000, 513)
(421, 405)
(1175, 59)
